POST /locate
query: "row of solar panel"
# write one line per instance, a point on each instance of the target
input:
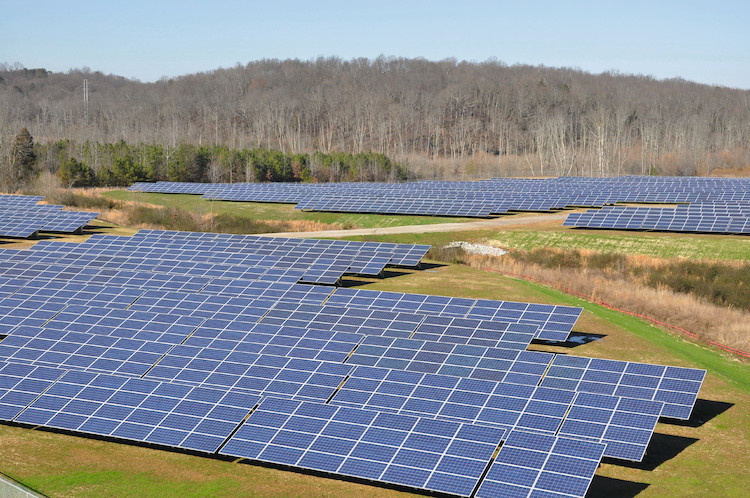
(419, 453)
(564, 185)
(315, 265)
(676, 387)
(240, 253)
(473, 199)
(33, 303)
(21, 217)
(429, 395)
(20, 200)
(439, 355)
(435, 207)
(203, 262)
(718, 208)
(402, 254)
(554, 322)
(634, 220)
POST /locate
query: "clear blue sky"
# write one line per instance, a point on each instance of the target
(703, 41)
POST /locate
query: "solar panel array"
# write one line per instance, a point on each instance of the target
(398, 449)
(555, 322)
(723, 217)
(531, 464)
(503, 195)
(186, 417)
(22, 217)
(212, 256)
(161, 339)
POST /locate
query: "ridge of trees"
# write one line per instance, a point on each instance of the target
(447, 118)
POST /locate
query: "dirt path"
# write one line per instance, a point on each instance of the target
(439, 227)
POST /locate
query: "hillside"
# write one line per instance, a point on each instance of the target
(448, 118)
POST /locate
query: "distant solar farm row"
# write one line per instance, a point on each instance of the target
(716, 204)
(21, 216)
(210, 343)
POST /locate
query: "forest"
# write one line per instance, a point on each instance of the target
(395, 118)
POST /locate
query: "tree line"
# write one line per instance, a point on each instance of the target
(90, 164)
(447, 118)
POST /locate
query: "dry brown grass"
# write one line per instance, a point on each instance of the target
(727, 326)
(139, 214)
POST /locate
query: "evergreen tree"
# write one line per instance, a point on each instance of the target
(23, 156)
(74, 173)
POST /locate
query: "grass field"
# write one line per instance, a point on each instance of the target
(657, 245)
(271, 211)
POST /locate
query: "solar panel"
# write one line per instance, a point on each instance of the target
(500, 404)
(276, 340)
(153, 327)
(475, 362)
(9, 286)
(251, 372)
(555, 322)
(397, 449)
(15, 312)
(20, 385)
(497, 196)
(676, 387)
(206, 306)
(186, 417)
(22, 217)
(624, 425)
(78, 294)
(530, 464)
(81, 351)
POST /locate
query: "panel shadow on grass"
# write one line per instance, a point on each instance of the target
(661, 449)
(429, 266)
(575, 339)
(614, 488)
(703, 411)
(359, 281)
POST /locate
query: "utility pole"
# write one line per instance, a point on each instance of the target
(86, 101)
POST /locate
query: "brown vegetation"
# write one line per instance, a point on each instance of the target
(611, 283)
(145, 215)
(450, 119)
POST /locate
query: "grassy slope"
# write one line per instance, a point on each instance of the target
(271, 211)
(658, 245)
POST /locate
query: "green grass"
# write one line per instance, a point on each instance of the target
(691, 246)
(717, 362)
(272, 211)
(123, 483)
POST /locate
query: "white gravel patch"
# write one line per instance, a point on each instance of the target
(472, 248)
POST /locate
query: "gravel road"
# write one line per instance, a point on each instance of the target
(438, 227)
